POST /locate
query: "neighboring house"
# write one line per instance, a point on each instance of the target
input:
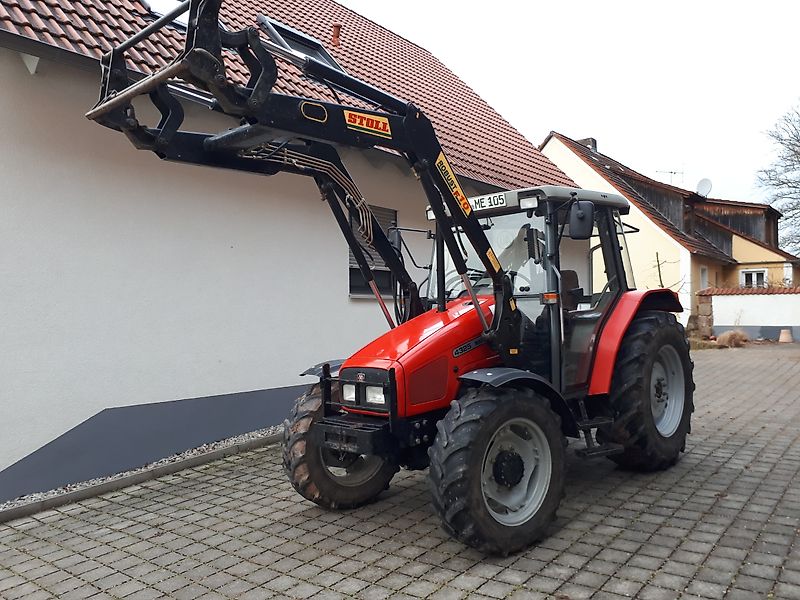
(685, 242)
(753, 233)
(127, 282)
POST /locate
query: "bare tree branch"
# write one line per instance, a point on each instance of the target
(782, 177)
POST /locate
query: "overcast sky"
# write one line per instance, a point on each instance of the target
(677, 85)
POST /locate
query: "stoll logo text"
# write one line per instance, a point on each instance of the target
(372, 124)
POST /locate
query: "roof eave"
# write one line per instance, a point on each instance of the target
(726, 260)
(26, 45)
(767, 208)
(546, 139)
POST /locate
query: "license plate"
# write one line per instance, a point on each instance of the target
(488, 201)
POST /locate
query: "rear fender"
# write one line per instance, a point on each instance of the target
(510, 377)
(611, 337)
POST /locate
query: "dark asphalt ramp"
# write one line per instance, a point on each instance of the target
(124, 438)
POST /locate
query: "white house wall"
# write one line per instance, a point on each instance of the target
(759, 315)
(126, 280)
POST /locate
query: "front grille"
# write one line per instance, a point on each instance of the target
(361, 378)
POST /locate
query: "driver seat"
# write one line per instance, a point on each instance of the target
(570, 290)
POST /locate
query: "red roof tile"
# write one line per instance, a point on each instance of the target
(616, 173)
(481, 144)
(753, 291)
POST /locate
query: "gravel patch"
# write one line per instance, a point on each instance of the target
(200, 450)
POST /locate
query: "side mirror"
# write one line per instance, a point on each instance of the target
(581, 220)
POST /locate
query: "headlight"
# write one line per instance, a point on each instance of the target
(375, 395)
(349, 392)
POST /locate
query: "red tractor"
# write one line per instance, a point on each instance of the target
(532, 332)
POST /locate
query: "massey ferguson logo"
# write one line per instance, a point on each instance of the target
(360, 377)
(372, 124)
(452, 183)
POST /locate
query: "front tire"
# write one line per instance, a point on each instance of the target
(497, 468)
(333, 481)
(652, 393)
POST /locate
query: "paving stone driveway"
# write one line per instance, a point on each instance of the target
(724, 522)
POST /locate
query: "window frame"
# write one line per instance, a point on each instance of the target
(704, 276)
(754, 273)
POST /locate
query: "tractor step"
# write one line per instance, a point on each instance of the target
(600, 450)
(594, 423)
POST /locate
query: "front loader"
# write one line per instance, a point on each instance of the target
(532, 331)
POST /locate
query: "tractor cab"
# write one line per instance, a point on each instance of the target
(566, 256)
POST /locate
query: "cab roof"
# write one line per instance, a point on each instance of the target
(507, 202)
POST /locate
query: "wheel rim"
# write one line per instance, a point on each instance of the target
(516, 471)
(667, 391)
(350, 469)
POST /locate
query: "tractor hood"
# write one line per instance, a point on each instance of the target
(458, 324)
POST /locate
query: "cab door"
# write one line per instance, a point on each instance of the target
(592, 280)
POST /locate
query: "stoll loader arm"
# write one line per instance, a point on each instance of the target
(283, 133)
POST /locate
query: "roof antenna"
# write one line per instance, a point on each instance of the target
(672, 174)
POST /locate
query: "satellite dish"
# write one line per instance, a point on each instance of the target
(704, 187)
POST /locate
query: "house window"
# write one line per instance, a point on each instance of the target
(386, 217)
(703, 278)
(753, 278)
(285, 36)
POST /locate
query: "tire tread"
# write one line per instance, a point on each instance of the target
(628, 387)
(296, 427)
(449, 469)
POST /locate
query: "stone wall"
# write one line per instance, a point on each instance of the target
(705, 316)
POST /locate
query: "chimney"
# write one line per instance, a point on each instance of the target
(337, 32)
(590, 143)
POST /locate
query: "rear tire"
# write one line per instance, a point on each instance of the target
(344, 481)
(497, 468)
(651, 393)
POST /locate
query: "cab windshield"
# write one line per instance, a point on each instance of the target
(508, 236)
(582, 260)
